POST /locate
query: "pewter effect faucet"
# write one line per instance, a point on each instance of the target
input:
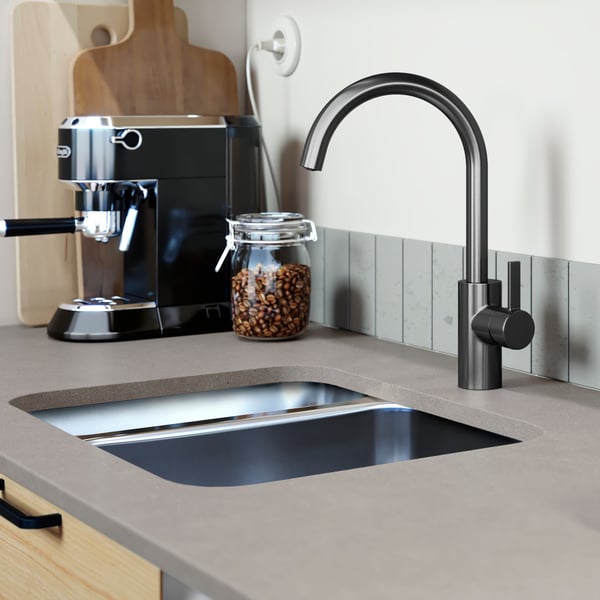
(484, 326)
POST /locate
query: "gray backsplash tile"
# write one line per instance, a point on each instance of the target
(417, 293)
(584, 324)
(550, 312)
(447, 270)
(337, 278)
(316, 251)
(362, 283)
(388, 288)
(516, 359)
(492, 264)
(405, 291)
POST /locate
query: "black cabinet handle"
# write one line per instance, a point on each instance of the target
(23, 521)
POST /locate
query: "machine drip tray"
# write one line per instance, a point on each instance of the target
(89, 321)
(117, 318)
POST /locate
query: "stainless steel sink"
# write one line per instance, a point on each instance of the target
(286, 431)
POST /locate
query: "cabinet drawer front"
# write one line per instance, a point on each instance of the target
(69, 562)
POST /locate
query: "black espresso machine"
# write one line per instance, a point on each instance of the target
(164, 186)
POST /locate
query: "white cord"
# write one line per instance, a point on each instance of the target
(256, 114)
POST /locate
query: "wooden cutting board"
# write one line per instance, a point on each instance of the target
(153, 71)
(46, 37)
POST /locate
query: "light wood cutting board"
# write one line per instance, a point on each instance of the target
(46, 38)
(153, 71)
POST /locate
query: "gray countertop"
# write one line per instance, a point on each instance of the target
(517, 521)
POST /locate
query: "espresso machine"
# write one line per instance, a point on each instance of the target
(164, 186)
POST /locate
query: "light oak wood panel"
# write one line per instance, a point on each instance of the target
(153, 71)
(71, 562)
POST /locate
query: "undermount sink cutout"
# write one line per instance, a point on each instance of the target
(266, 433)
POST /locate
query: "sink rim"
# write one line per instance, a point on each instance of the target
(293, 402)
(433, 404)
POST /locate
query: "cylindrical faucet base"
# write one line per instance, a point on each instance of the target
(479, 363)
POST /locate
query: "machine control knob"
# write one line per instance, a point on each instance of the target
(510, 327)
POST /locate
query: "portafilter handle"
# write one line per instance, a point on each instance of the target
(20, 227)
(98, 225)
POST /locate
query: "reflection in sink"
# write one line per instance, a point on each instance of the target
(213, 405)
(331, 430)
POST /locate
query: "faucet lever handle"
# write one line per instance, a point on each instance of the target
(510, 327)
(514, 285)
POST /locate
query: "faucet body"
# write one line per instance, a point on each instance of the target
(484, 326)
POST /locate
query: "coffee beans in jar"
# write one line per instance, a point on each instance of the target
(271, 302)
(270, 274)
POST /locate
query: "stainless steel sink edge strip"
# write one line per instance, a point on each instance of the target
(302, 414)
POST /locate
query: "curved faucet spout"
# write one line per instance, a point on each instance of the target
(442, 98)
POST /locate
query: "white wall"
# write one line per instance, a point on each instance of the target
(212, 24)
(527, 69)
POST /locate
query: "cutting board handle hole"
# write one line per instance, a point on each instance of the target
(102, 35)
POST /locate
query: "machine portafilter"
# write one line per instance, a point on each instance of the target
(101, 206)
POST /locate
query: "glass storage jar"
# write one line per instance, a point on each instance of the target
(270, 274)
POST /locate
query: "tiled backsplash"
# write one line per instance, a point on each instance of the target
(406, 291)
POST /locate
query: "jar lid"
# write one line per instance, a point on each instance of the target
(273, 227)
(268, 228)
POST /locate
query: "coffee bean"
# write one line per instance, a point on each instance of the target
(277, 301)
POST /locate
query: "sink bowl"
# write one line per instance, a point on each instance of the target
(284, 431)
(316, 441)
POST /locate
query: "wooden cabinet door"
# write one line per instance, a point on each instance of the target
(70, 562)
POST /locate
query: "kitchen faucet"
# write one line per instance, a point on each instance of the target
(484, 326)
